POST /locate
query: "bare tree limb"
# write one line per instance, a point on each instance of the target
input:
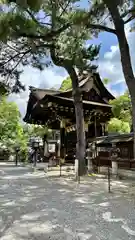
(18, 63)
(25, 52)
(11, 47)
(64, 9)
(32, 16)
(12, 58)
(100, 27)
(129, 19)
(45, 23)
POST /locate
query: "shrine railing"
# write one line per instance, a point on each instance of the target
(123, 163)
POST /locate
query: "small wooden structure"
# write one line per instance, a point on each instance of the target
(123, 142)
(56, 110)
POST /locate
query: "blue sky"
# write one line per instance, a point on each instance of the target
(109, 66)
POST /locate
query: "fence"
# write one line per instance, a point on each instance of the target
(127, 164)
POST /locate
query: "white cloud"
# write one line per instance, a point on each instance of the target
(112, 53)
(32, 77)
(110, 66)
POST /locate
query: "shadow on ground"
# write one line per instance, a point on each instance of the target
(34, 206)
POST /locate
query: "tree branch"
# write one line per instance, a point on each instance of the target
(64, 8)
(56, 60)
(19, 61)
(132, 15)
(10, 59)
(47, 36)
(85, 21)
(100, 27)
(11, 47)
(129, 11)
(32, 16)
(129, 19)
(16, 55)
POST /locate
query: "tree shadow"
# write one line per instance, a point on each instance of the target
(39, 207)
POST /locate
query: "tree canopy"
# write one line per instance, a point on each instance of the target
(28, 38)
(118, 126)
(29, 33)
(122, 110)
(10, 127)
(13, 132)
(36, 131)
(66, 84)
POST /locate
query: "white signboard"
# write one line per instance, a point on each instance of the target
(51, 148)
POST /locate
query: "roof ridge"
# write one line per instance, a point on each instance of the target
(31, 88)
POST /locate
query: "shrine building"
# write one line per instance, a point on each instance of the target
(56, 110)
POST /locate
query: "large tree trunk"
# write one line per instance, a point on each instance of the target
(125, 55)
(81, 143)
(68, 65)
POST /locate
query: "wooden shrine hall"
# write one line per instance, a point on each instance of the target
(56, 110)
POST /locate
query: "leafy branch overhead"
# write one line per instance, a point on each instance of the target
(27, 35)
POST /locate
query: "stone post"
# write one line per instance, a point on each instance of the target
(76, 168)
(62, 139)
(89, 157)
(114, 167)
(114, 157)
(103, 129)
(45, 148)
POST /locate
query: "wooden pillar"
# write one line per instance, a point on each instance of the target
(106, 129)
(89, 158)
(45, 145)
(86, 125)
(95, 125)
(62, 139)
(90, 163)
(58, 148)
(103, 129)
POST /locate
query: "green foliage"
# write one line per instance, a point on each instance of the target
(66, 84)
(10, 128)
(28, 39)
(3, 89)
(121, 107)
(122, 111)
(35, 131)
(13, 133)
(106, 81)
(118, 126)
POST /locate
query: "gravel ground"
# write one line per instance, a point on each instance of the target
(37, 206)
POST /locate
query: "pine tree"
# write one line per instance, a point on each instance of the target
(40, 33)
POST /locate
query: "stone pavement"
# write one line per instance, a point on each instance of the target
(38, 206)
